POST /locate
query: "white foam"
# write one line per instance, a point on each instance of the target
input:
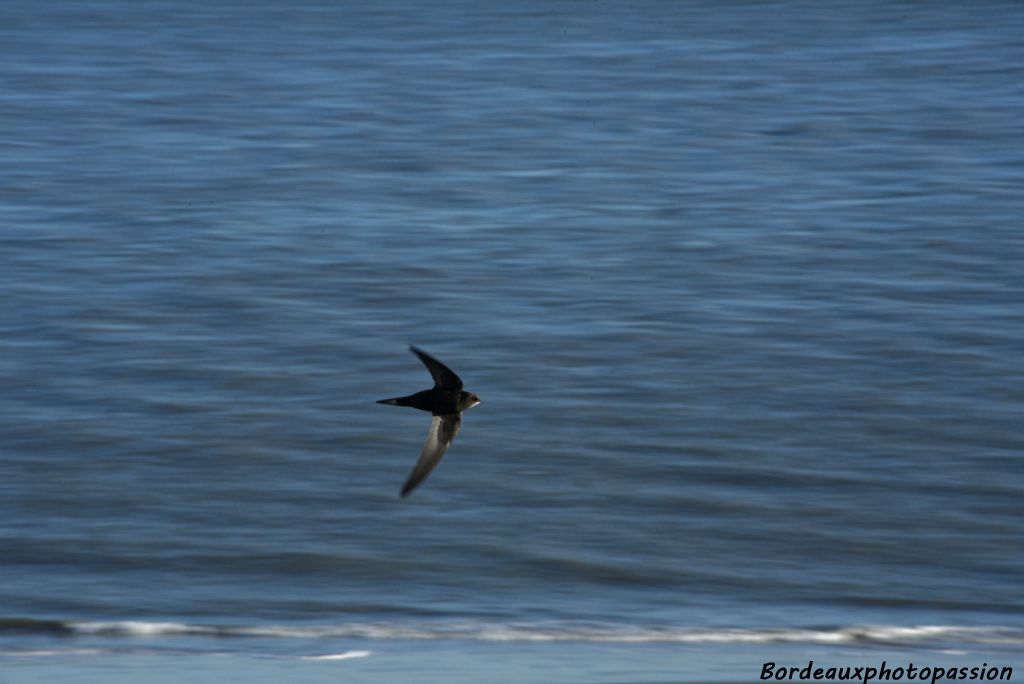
(43, 653)
(339, 656)
(139, 628)
(555, 632)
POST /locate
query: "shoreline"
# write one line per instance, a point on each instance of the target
(460, 661)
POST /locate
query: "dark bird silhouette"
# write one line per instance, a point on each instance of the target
(446, 401)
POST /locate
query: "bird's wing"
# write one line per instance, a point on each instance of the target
(442, 432)
(444, 377)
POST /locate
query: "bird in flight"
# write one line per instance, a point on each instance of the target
(446, 401)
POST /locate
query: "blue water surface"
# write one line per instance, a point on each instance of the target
(740, 286)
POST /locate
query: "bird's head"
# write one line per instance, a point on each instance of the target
(467, 400)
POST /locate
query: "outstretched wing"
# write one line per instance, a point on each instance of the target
(442, 432)
(444, 377)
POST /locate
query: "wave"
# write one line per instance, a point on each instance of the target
(920, 635)
(339, 656)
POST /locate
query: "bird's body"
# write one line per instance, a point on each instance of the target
(438, 401)
(446, 401)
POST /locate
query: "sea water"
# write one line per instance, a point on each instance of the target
(740, 286)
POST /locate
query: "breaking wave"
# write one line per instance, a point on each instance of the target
(922, 635)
